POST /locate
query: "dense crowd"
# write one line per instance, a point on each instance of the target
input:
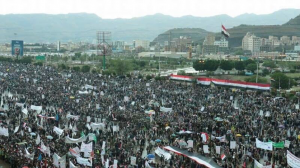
(225, 114)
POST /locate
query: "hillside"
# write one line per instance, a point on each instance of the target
(291, 28)
(196, 34)
(83, 26)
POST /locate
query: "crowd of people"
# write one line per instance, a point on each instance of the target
(133, 124)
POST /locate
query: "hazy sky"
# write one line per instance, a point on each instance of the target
(135, 8)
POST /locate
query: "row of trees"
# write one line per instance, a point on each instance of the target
(212, 65)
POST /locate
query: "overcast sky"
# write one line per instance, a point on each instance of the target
(136, 8)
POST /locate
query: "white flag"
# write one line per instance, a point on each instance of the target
(258, 165)
(72, 165)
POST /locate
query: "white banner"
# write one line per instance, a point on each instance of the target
(83, 161)
(133, 160)
(71, 140)
(69, 116)
(58, 131)
(287, 143)
(258, 165)
(264, 145)
(4, 131)
(16, 129)
(86, 147)
(25, 111)
(160, 152)
(190, 143)
(232, 144)
(38, 109)
(115, 164)
(292, 160)
(164, 109)
(28, 155)
(205, 148)
(83, 92)
(71, 165)
(97, 126)
(218, 149)
(55, 160)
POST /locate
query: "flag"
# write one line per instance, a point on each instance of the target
(224, 32)
(40, 157)
(278, 145)
(204, 137)
(223, 156)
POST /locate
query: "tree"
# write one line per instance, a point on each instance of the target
(251, 67)
(120, 67)
(269, 64)
(249, 61)
(65, 59)
(77, 55)
(211, 65)
(239, 65)
(181, 72)
(281, 80)
(259, 79)
(265, 72)
(85, 68)
(199, 65)
(226, 65)
(83, 58)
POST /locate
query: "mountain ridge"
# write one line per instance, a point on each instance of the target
(83, 26)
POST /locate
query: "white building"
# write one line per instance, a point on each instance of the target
(297, 48)
(221, 43)
(252, 43)
(142, 43)
(58, 46)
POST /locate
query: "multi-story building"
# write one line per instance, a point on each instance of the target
(285, 40)
(119, 44)
(252, 43)
(209, 39)
(222, 43)
(142, 43)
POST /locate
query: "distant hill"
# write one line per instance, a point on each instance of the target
(83, 26)
(196, 34)
(291, 28)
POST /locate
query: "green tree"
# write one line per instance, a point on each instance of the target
(251, 67)
(199, 65)
(65, 59)
(259, 79)
(120, 67)
(77, 55)
(226, 65)
(269, 64)
(85, 68)
(239, 65)
(249, 61)
(211, 65)
(83, 58)
(280, 79)
(265, 72)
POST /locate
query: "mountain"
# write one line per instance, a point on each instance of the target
(196, 34)
(83, 26)
(291, 28)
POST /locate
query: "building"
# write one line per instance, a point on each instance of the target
(222, 43)
(209, 39)
(166, 54)
(270, 55)
(252, 43)
(141, 43)
(210, 49)
(297, 48)
(285, 40)
(119, 45)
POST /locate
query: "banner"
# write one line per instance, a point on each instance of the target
(75, 152)
(71, 140)
(160, 152)
(258, 165)
(72, 165)
(115, 164)
(25, 111)
(83, 92)
(205, 161)
(55, 160)
(62, 162)
(264, 145)
(292, 160)
(83, 161)
(86, 147)
(287, 143)
(28, 155)
(44, 149)
(278, 145)
(95, 126)
(4, 131)
(58, 131)
(69, 116)
(38, 109)
(16, 129)
(164, 109)
(218, 149)
(38, 140)
(133, 160)
(232, 144)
